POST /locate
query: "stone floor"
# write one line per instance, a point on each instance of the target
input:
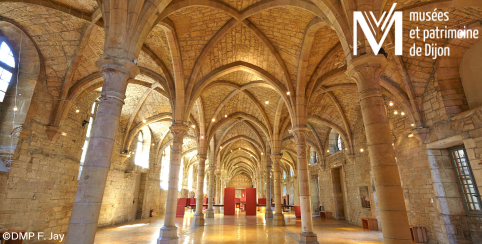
(236, 229)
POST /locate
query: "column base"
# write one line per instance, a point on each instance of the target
(168, 235)
(278, 219)
(198, 219)
(268, 214)
(210, 213)
(308, 238)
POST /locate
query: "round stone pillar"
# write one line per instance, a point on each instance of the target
(90, 190)
(198, 219)
(366, 71)
(278, 218)
(210, 210)
(268, 213)
(306, 235)
(168, 234)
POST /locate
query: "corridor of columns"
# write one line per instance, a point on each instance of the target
(136, 121)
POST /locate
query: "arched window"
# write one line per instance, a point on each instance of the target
(284, 174)
(7, 66)
(335, 141)
(179, 185)
(87, 138)
(166, 159)
(189, 179)
(139, 150)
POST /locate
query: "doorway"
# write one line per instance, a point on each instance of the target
(338, 178)
(135, 198)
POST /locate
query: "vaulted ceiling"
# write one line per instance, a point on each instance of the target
(228, 50)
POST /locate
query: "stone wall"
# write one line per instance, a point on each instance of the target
(38, 192)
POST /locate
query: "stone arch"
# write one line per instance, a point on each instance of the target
(29, 69)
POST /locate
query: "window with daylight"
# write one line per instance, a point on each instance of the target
(313, 156)
(284, 175)
(179, 186)
(87, 137)
(189, 179)
(466, 180)
(7, 66)
(139, 150)
(165, 162)
(335, 142)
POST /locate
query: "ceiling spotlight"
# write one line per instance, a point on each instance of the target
(144, 121)
(402, 113)
(390, 103)
(327, 151)
(361, 149)
(193, 126)
(15, 108)
(64, 134)
(396, 112)
(288, 93)
(225, 116)
(153, 144)
(129, 156)
(412, 125)
(262, 153)
(214, 119)
(410, 135)
(220, 147)
(77, 111)
(267, 102)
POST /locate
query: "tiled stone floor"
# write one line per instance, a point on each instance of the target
(236, 229)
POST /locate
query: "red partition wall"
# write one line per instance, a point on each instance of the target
(181, 204)
(229, 205)
(250, 201)
(262, 201)
(298, 212)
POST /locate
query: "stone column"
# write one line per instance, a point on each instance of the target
(198, 219)
(210, 210)
(218, 187)
(366, 71)
(296, 189)
(264, 184)
(90, 190)
(278, 218)
(288, 187)
(268, 213)
(306, 235)
(168, 233)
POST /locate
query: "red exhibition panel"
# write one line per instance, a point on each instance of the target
(250, 201)
(237, 200)
(298, 212)
(192, 201)
(262, 201)
(181, 204)
(229, 205)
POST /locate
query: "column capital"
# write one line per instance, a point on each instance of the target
(299, 132)
(108, 63)
(179, 129)
(366, 67)
(202, 157)
(275, 157)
